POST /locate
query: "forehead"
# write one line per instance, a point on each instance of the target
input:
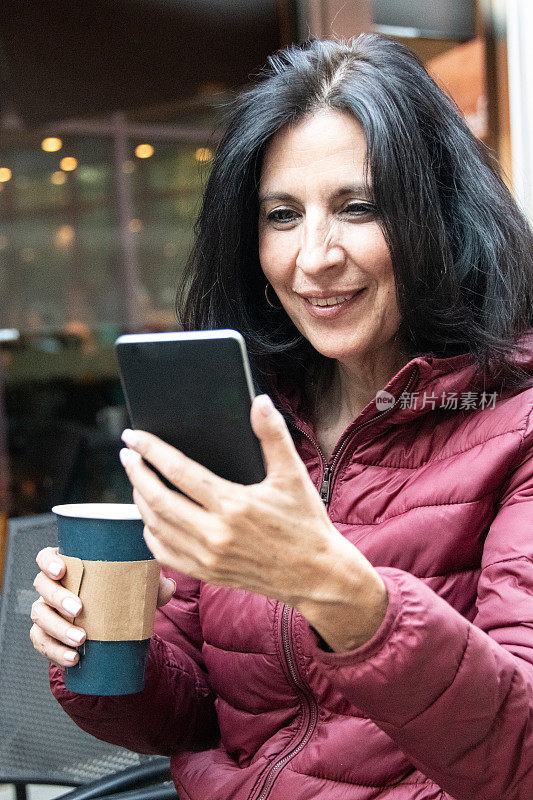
(329, 143)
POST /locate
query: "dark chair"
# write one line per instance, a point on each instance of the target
(39, 743)
(47, 463)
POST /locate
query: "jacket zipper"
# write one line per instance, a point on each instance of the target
(308, 702)
(329, 467)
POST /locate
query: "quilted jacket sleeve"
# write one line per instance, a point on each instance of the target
(175, 711)
(457, 697)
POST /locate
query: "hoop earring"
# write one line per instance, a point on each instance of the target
(270, 303)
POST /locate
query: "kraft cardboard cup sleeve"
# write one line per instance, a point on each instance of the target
(119, 598)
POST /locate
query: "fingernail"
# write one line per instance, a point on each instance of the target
(266, 406)
(129, 456)
(75, 635)
(68, 655)
(129, 437)
(71, 606)
(54, 568)
(173, 582)
(125, 456)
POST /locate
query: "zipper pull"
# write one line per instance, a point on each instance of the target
(326, 486)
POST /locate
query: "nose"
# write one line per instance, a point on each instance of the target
(318, 250)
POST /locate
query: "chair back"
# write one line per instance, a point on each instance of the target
(39, 743)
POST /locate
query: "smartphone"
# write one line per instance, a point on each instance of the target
(194, 390)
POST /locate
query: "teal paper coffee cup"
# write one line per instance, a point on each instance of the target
(116, 577)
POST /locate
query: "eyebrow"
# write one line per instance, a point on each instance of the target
(359, 189)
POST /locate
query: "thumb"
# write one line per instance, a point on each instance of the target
(276, 442)
(167, 587)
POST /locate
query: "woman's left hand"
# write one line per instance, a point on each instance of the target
(272, 538)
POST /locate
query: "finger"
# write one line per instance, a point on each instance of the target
(171, 538)
(165, 522)
(270, 428)
(50, 562)
(55, 595)
(167, 587)
(173, 558)
(51, 649)
(197, 482)
(55, 625)
(173, 507)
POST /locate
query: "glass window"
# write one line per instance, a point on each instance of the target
(76, 223)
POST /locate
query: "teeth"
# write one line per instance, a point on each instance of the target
(329, 301)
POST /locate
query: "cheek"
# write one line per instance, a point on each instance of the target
(264, 251)
(274, 255)
(374, 254)
(369, 249)
(388, 304)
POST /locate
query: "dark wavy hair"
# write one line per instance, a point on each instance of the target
(461, 249)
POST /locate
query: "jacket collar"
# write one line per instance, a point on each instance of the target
(426, 383)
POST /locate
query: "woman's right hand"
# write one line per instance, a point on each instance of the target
(52, 629)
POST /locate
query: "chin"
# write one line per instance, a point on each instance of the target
(337, 344)
(338, 353)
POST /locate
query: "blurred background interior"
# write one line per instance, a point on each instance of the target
(109, 117)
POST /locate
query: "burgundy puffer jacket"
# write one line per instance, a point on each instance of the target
(438, 703)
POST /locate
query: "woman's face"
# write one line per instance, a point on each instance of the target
(320, 243)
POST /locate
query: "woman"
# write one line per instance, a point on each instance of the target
(372, 638)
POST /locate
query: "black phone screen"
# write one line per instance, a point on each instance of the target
(194, 391)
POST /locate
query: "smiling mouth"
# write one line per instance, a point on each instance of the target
(335, 300)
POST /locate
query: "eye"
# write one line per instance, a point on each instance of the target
(356, 209)
(282, 215)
